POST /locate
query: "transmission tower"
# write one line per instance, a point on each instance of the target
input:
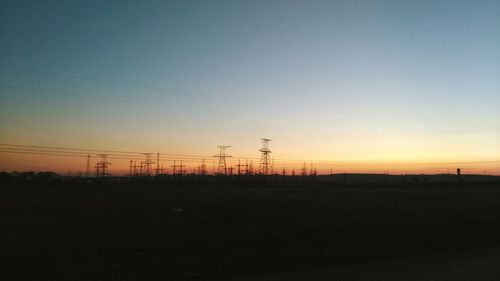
(148, 165)
(203, 167)
(135, 169)
(222, 169)
(265, 157)
(241, 171)
(250, 168)
(102, 166)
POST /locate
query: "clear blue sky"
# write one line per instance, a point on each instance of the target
(342, 80)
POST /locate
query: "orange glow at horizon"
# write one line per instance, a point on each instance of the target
(119, 167)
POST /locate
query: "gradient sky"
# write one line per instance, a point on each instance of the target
(385, 81)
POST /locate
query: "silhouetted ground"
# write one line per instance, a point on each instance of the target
(136, 232)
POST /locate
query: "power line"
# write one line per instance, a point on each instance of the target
(41, 153)
(84, 153)
(135, 155)
(96, 150)
(183, 92)
(128, 84)
(101, 166)
(122, 153)
(76, 154)
(171, 106)
(240, 114)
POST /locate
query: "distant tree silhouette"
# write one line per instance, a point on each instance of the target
(47, 176)
(4, 177)
(26, 176)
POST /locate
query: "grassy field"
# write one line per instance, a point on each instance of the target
(126, 232)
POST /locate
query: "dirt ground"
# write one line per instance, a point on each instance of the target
(135, 232)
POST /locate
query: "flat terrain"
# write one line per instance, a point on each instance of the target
(134, 232)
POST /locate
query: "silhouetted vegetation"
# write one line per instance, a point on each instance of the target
(49, 178)
(30, 177)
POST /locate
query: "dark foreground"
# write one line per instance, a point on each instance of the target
(164, 233)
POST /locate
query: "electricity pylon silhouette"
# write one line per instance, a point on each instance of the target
(265, 157)
(102, 166)
(203, 167)
(222, 168)
(148, 168)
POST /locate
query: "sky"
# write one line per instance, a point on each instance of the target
(375, 83)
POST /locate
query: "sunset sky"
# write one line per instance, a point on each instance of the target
(370, 86)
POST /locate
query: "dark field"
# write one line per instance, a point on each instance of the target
(125, 232)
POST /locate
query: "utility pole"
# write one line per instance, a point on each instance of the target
(240, 170)
(180, 171)
(157, 163)
(173, 168)
(87, 174)
(203, 167)
(247, 168)
(222, 169)
(265, 157)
